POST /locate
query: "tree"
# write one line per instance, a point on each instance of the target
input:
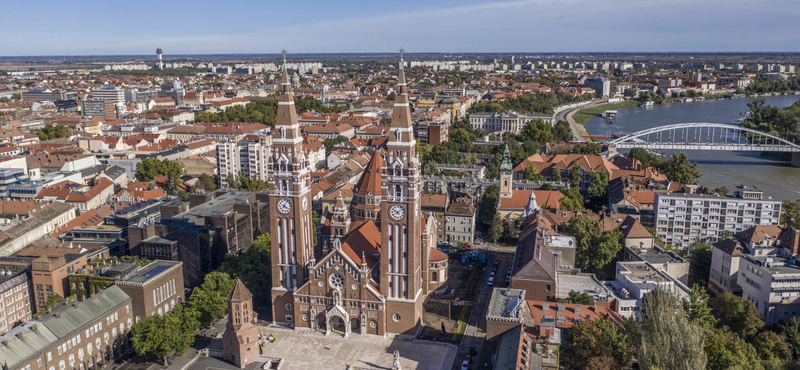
(679, 169)
(531, 173)
(495, 228)
(723, 190)
(700, 264)
(562, 131)
(16, 96)
(597, 191)
(594, 249)
(150, 168)
(330, 143)
(771, 347)
(52, 132)
(791, 213)
(738, 314)
(581, 298)
(253, 267)
(575, 177)
(668, 339)
(4, 99)
(488, 207)
(726, 350)
(572, 200)
(167, 335)
(205, 182)
(589, 341)
(696, 308)
(391, 96)
(791, 329)
(210, 299)
(538, 131)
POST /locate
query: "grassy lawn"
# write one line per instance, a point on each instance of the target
(461, 325)
(584, 115)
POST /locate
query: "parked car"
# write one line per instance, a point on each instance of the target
(491, 281)
(508, 279)
(508, 271)
(465, 365)
(491, 273)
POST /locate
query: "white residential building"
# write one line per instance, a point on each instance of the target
(683, 219)
(510, 121)
(773, 284)
(245, 156)
(110, 93)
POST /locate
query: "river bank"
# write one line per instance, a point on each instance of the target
(584, 115)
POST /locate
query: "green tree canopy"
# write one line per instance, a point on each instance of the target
(150, 168)
(594, 249)
(210, 299)
(253, 267)
(699, 264)
(668, 339)
(738, 314)
(589, 342)
(726, 350)
(166, 335)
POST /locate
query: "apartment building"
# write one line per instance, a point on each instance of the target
(109, 93)
(43, 95)
(435, 205)
(683, 219)
(77, 335)
(246, 156)
(500, 122)
(15, 300)
(460, 222)
(772, 283)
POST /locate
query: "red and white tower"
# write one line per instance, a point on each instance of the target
(289, 175)
(401, 274)
(160, 61)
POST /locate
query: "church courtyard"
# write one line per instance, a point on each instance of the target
(313, 350)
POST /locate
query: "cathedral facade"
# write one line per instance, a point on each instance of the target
(376, 261)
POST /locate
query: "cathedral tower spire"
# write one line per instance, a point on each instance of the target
(290, 211)
(400, 259)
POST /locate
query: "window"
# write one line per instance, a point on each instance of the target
(396, 317)
(39, 362)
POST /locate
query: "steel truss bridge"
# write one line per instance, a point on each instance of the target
(704, 136)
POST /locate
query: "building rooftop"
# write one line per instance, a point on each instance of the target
(506, 303)
(582, 283)
(217, 207)
(657, 255)
(775, 265)
(150, 271)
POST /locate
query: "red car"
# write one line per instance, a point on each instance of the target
(468, 246)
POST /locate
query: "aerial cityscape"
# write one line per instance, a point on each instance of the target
(531, 185)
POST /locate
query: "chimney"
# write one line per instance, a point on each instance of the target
(560, 306)
(57, 314)
(578, 309)
(34, 326)
(19, 335)
(545, 306)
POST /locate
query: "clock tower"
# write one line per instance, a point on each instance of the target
(289, 191)
(400, 260)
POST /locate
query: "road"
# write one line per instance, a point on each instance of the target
(578, 131)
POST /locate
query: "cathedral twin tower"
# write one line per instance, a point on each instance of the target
(373, 278)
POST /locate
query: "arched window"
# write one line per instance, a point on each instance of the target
(61, 365)
(435, 277)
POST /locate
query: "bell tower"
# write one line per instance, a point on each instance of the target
(240, 341)
(400, 263)
(289, 187)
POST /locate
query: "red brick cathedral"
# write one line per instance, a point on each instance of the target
(376, 260)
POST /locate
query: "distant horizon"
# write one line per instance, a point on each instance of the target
(181, 27)
(289, 54)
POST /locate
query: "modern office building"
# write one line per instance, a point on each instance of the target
(500, 122)
(109, 93)
(246, 156)
(772, 283)
(683, 219)
(43, 95)
(601, 86)
(200, 236)
(99, 108)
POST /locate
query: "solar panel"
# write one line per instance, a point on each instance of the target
(155, 271)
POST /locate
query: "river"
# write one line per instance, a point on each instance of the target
(768, 173)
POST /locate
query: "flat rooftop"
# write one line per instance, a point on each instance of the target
(641, 271)
(657, 255)
(775, 264)
(581, 283)
(219, 206)
(151, 271)
(504, 301)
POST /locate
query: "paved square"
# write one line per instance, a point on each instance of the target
(313, 350)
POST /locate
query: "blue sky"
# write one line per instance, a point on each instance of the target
(310, 26)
